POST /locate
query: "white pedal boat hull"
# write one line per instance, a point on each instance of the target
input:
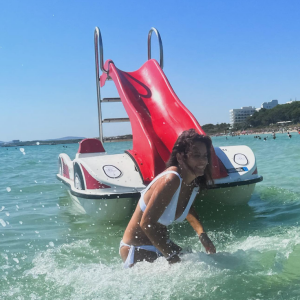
(119, 187)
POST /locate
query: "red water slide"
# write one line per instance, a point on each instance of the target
(156, 114)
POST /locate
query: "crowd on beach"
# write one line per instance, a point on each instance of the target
(257, 132)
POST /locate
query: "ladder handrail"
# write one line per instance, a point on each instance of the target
(99, 50)
(161, 54)
(98, 39)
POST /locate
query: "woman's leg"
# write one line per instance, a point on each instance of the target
(139, 255)
(124, 251)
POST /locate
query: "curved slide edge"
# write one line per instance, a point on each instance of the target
(157, 117)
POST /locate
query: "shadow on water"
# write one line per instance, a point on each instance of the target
(73, 209)
(218, 216)
(271, 211)
(88, 263)
(225, 224)
(239, 220)
(268, 207)
(275, 206)
(84, 226)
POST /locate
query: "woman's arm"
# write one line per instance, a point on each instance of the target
(160, 199)
(194, 220)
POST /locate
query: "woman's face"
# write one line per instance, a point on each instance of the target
(197, 159)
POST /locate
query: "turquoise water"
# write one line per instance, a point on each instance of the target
(50, 250)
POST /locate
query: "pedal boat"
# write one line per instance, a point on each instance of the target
(107, 185)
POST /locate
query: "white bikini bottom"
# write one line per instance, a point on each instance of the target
(130, 258)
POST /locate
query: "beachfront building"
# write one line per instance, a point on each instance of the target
(239, 115)
(268, 105)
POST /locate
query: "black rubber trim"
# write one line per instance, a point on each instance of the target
(99, 197)
(137, 194)
(236, 183)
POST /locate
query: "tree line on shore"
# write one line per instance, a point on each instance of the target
(212, 129)
(264, 118)
(268, 117)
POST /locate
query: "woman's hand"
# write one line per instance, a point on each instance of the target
(173, 259)
(174, 256)
(174, 247)
(207, 243)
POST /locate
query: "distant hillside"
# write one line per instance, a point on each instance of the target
(211, 129)
(66, 138)
(48, 140)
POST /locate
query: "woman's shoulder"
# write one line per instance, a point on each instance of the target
(168, 183)
(172, 170)
(171, 176)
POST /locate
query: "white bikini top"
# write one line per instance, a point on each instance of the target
(168, 216)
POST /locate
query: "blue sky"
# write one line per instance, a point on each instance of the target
(218, 55)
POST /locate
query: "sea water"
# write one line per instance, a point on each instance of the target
(49, 249)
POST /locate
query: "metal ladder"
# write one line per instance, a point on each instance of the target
(98, 41)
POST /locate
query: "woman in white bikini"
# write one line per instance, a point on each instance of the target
(168, 199)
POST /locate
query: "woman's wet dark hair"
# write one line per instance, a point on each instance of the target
(184, 144)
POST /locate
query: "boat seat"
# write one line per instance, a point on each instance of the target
(90, 146)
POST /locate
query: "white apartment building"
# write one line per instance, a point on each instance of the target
(269, 105)
(239, 115)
